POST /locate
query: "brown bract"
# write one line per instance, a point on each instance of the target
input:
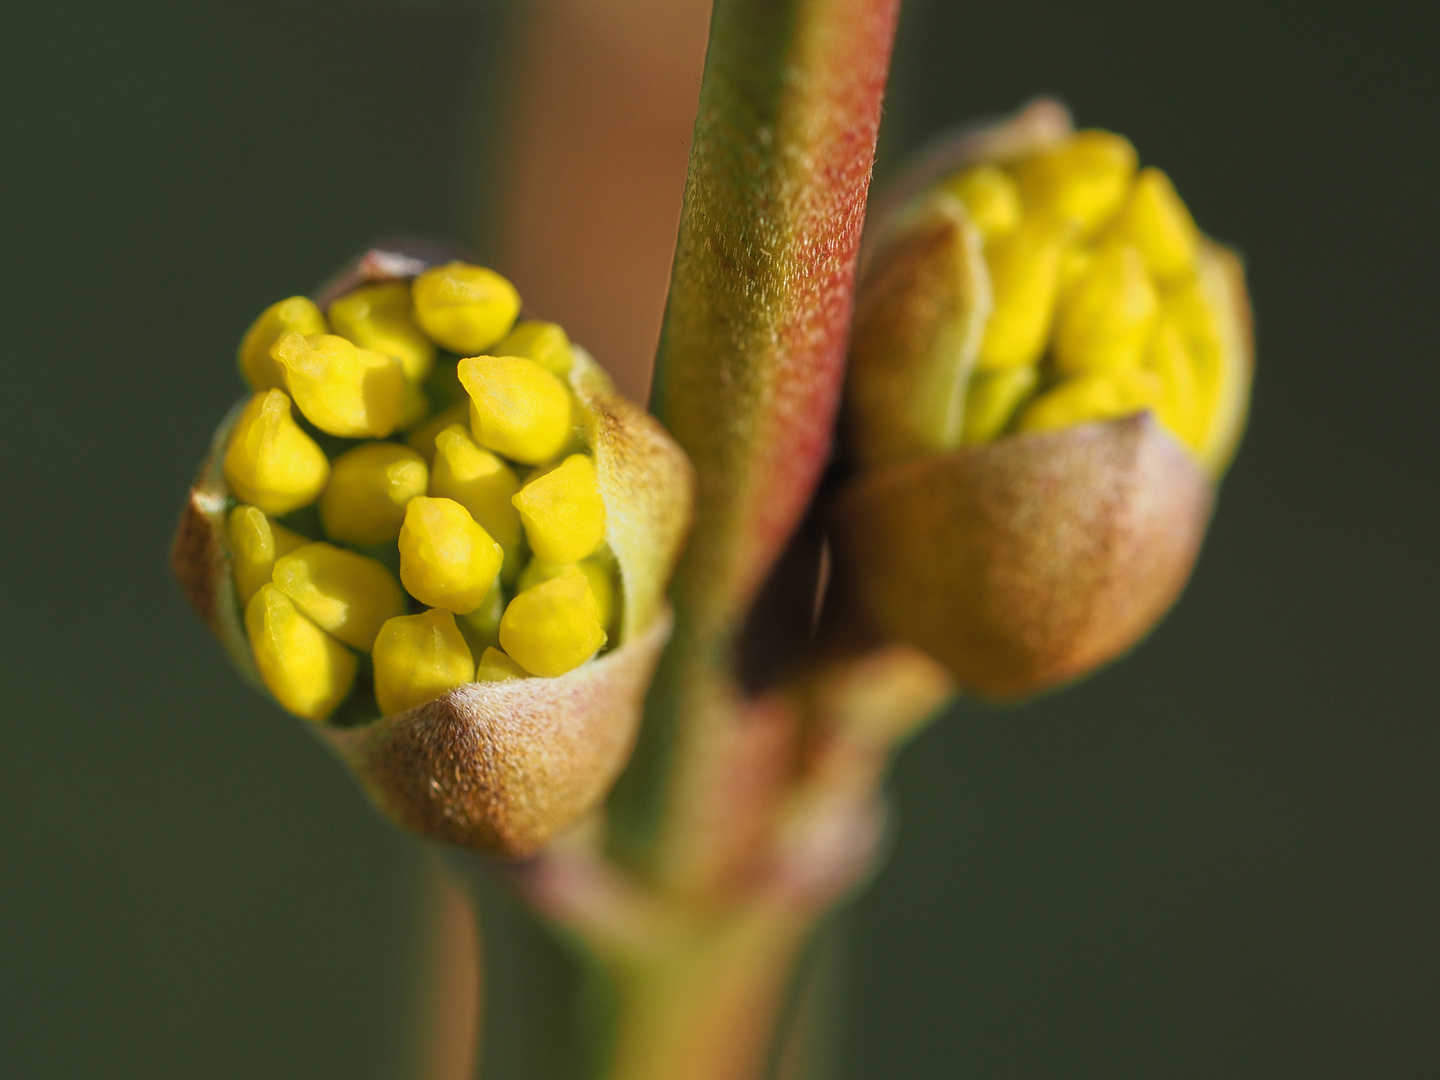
(917, 326)
(496, 766)
(1026, 562)
(504, 766)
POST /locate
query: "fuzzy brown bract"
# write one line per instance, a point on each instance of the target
(1026, 562)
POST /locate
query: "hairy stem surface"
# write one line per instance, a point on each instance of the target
(750, 370)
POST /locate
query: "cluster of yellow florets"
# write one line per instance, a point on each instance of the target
(1100, 310)
(460, 510)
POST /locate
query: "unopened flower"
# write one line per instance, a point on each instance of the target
(454, 566)
(1050, 368)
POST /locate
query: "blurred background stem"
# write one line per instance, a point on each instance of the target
(604, 109)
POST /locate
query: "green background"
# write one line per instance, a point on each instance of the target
(1218, 857)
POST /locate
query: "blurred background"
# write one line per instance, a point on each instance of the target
(1218, 857)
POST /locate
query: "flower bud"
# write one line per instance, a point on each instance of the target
(495, 718)
(1049, 372)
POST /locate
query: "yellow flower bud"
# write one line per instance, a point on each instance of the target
(446, 559)
(467, 768)
(1108, 317)
(270, 462)
(495, 666)
(1159, 224)
(991, 197)
(307, 670)
(1084, 179)
(422, 439)
(1100, 395)
(563, 512)
(343, 593)
(342, 389)
(992, 399)
(255, 543)
(554, 627)
(298, 315)
(465, 308)
(477, 480)
(364, 503)
(518, 408)
(1179, 406)
(378, 317)
(418, 658)
(1213, 316)
(602, 584)
(1068, 519)
(1024, 269)
(544, 342)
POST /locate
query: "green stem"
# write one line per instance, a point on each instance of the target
(750, 365)
(694, 997)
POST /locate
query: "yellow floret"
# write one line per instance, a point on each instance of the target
(1084, 179)
(298, 314)
(1157, 222)
(343, 593)
(418, 658)
(992, 400)
(307, 670)
(1097, 396)
(481, 627)
(544, 342)
(270, 462)
(602, 584)
(465, 308)
(495, 666)
(1194, 305)
(563, 512)
(1023, 273)
(1108, 317)
(478, 481)
(422, 439)
(991, 197)
(518, 408)
(1179, 407)
(554, 627)
(364, 503)
(446, 559)
(341, 388)
(378, 317)
(255, 543)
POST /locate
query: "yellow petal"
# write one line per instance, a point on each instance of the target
(269, 461)
(342, 389)
(364, 503)
(478, 481)
(554, 627)
(465, 308)
(343, 593)
(446, 559)
(518, 409)
(418, 658)
(563, 512)
(307, 670)
(297, 314)
(378, 317)
(255, 543)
